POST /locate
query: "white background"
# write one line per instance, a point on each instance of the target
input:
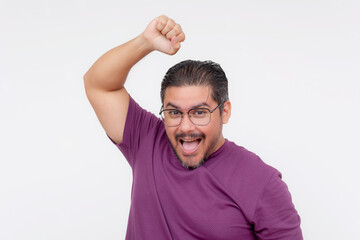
(293, 70)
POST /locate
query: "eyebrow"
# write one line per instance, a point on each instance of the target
(204, 104)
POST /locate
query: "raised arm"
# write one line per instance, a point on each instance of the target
(104, 81)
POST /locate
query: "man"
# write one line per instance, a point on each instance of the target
(189, 182)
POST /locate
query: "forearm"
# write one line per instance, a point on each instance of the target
(104, 81)
(110, 71)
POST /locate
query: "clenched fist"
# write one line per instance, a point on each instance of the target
(164, 34)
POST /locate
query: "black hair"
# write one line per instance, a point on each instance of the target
(198, 73)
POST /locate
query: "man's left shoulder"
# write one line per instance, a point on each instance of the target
(247, 162)
(241, 170)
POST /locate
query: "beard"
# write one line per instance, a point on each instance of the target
(184, 164)
(182, 161)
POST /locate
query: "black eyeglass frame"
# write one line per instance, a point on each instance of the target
(182, 113)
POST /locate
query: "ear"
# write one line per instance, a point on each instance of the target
(226, 112)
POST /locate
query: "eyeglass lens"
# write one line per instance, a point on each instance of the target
(198, 116)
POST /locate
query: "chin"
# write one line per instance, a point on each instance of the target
(190, 149)
(192, 167)
(188, 161)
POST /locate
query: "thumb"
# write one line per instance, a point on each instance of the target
(174, 45)
(174, 41)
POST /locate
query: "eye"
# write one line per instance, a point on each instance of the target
(198, 113)
(174, 113)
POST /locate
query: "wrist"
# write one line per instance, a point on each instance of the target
(144, 44)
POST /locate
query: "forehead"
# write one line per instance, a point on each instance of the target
(188, 96)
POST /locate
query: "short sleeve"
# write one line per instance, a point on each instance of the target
(139, 123)
(275, 215)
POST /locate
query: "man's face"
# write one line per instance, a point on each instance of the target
(194, 144)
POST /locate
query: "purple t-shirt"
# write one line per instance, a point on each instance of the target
(233, 195)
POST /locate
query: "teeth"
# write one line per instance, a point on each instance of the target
(187, 140)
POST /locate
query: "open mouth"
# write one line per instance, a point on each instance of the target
(189, 146)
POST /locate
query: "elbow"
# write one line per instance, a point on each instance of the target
(86, 80)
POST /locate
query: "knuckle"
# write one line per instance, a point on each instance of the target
(177, 29)
(181, 37)
(169, 35)
(162, 21)
(162, 18)
(171, 23)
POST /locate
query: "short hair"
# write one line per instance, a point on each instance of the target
(198, 73)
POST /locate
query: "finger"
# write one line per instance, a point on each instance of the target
(174, 41)
(175, 31)
(174, 48)
(175, 45)
(161, 22)
(181, 37)
(168, 27)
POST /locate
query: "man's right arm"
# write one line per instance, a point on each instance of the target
(104, 81)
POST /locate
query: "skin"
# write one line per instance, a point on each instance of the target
(205, 139)
(104, 84)
(104, 81)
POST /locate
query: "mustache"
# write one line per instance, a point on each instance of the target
(189, 135)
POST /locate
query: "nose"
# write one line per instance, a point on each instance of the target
(186, 125)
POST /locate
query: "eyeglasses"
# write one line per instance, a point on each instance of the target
(198, 116)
